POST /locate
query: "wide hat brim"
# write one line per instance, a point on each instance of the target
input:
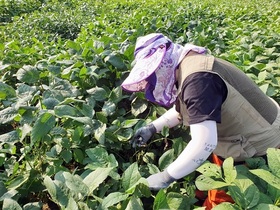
(143, 68)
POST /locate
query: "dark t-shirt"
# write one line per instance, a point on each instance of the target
(204, 94)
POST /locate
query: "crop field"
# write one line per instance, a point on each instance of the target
(65, 122)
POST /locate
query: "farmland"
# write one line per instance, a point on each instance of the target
(65, 123)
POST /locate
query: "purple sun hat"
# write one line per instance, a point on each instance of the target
(149, 52)
(156, 61)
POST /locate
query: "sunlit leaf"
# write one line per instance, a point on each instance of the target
(113, 198)
(109, 108)
(95, 178)
(125, 134)
(226, 206)
(28, 74)
(10, 204)
(166, 159)
(42, 126)
(10, 137)
(33, 206)
(267, 177)
(134, 204)
(263, 206)
(72, 205)
(138, 106)
(8, 194)
(229, 170)
(7, 115)
(273, 157)
(98, 93)
(160, 201)
(204, 183)
(210, 169)
(6, 91)
(129, 123)
(75, 183)
(178, 201)
(131, 176)
(245, 193)
(116, 61)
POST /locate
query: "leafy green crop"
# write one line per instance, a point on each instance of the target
(65, 123)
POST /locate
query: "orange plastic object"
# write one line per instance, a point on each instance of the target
(216, 197)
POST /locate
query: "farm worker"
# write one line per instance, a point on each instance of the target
(227, 113)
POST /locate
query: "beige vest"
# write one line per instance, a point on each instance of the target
(243, 131)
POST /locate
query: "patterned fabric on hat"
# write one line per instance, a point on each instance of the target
(157, 59)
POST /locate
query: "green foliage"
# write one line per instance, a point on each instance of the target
(65, 123)
(250, 188)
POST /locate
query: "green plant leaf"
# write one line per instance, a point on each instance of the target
(73, 45)
(140, 189)
(72, 113)
(75, 184)
(55, 191)
(130, 176)
(42, 126)
(66, 110)
(113, 198)
(204, 183)
(244, 192)
(3, 189)
(50, 103)
(33, 206)
(153, 168)
(134, 204)
(116, 61)
(7, 115)
(210, 169)
(138, 106)
(18, 181)
(78, 155)
(178, 201)
(256, 162)
(129, 123)
(99, 157)
(98, 93)
(50, 186)
(267, 177)
(10, 137)
(99, 133)
(273, 157)
(8, 194)
(125, 134)
(265, 206)
(25, 91)
(160, 201)
(6, 91)
(229, 170)
(165, 131)
(72, 205)
(226, 206)
(10, 204)
(95, 178)
(28, 74)
(116, 95)
(166, 159)
(109, 108)
(101, 116)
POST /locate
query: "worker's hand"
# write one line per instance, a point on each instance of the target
(160, 180)
(142, 135)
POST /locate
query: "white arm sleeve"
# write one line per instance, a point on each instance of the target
(169, 118)
(204, 141)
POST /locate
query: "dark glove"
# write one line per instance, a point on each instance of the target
(160, 180)
(142, 135)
